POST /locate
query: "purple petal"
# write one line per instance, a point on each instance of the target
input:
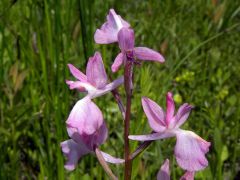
(112, 159)
(126, 39)
(190, 151)
(73, 151)
(188, 176)
(101, 135)
(182, 114)
(170, 108)
(164, 172)
(96, 73)
(109, 87)
(109, 30)
(85, 116)
(77, 74)
(117, 62)
(151, 137)
(155, 114)
(144, 53)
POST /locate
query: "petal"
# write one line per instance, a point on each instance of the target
(144, 53)
(155, 114)
(190, 151)
(170, 108)
(112, 159)
(81, 86)
(73, 151)
(182, 114)
(126, 39)
(77, 74)
(109, 30)
(95, 72)
(188, 176)
(164, 172)
(117, 62)
(109, 87)
(151, 137)
(101, 134)
(85, 116)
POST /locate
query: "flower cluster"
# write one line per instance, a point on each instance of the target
(86, 126)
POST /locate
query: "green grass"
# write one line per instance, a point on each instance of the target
(200, 41)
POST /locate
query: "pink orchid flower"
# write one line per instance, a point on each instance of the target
(109, 30)
(95, 81)
(126, 43)
(87, 130)
(164, 173)
(190, 149)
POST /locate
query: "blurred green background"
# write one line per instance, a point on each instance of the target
(200, 41)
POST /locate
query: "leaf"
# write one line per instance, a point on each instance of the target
(224, 154)
(217, 141)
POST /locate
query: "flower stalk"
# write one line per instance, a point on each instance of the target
(128, 84)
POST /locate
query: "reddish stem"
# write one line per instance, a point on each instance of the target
(128, 88)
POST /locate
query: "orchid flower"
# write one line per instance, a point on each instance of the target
(190, 149)
(126, 43)
(95, 80)
(87, 130)
(164, 173)
(109, 30)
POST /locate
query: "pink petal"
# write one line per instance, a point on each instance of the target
(109, 30)
(101, 135)
(164, 172)
(117, 62)
(182, 114)
(109, 87)
(85, 116)
(190, 151)
(95, 72)
(77, 74)
(144, 53)
(126, 39)
(170, 108)
(155, 114)
(111, 159)
(151, 137)
(188, 176)
(76, 85)
(73, 151)
(90, 141)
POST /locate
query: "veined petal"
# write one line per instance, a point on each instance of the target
(126, 39)
(144, 53)
(182, 114)
(95, 72)
(111, 159)
(73, 151)
(170, 108)
(164, 172)
(85, 116)
(117, 62)
(153, 136)
(109, 87)
(155, 114)
(188, 176)
(77, 74)
(109, 30)
(190, 151)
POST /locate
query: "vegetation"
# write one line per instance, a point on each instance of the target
(200, 41)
